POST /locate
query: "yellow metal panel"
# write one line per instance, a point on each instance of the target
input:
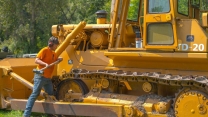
(191, 27)
(64, 66)
(160, 62)
(16, 62)
(148, 107)
(156, 115)
(21, 66)
(158, 18)
(81, 59)
(146, 54)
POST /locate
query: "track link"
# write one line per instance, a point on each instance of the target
(153, 77)
(200, 83)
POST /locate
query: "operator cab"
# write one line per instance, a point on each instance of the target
(155, 24)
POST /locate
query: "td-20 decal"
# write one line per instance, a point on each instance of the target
(192, 47)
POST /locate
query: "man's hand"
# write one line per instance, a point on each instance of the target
(60, 59)
(46, 65)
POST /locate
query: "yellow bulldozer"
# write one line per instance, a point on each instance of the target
(149, 60)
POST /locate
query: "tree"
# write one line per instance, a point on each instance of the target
(78, 10)
(25, 26)
(133, 10)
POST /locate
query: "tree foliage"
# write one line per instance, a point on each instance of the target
(25, 26)
(133, 9)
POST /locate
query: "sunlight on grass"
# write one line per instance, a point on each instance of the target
(7, 113)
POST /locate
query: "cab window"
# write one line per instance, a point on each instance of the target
(183, 7)
(160, 33)
(159, 6)
(195, 3)
(133, 10)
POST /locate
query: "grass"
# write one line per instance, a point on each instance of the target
(8, 113)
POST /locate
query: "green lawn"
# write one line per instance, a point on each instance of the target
(7, 113)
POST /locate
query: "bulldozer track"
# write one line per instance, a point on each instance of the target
(153, 77)
(185, 83)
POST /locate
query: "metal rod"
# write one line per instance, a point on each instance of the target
(24, 82)
(68, 38)
(115, 14)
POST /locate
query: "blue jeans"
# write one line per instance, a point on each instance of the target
(39, 83)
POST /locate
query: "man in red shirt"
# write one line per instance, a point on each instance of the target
(45, 57)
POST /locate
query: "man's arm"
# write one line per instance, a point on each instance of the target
(40, 62)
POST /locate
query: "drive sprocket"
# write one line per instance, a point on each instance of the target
(70, 86)
(192, 103)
